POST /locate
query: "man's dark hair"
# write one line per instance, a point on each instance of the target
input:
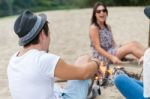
(36, 39)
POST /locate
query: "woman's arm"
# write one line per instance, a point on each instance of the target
(146, 73)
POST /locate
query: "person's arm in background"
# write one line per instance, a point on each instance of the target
(94, 36)
(146, 73)
(84, 68)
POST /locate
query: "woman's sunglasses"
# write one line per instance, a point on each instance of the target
(99, 11)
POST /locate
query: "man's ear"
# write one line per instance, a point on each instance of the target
(42, 34)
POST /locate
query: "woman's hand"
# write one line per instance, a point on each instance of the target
(141, 60)
(115, 60)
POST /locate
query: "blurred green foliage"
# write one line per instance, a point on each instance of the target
(11, 7)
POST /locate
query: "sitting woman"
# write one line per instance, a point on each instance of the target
(102, 41)
(134, 89)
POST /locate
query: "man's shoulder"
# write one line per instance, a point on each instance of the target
(44, 56)
(36, 55)
(48, 56)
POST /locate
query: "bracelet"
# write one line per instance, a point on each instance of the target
(97, 63)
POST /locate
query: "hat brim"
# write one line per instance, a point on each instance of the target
(43, 21)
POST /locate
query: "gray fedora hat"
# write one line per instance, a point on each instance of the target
(28, 25)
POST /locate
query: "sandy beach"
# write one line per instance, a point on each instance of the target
(70, 37)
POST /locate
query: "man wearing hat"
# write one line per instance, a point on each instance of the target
(31, 70)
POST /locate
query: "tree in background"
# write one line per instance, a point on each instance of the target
(5, 8)
(11, 7)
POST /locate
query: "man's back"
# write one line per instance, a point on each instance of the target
(31, 76)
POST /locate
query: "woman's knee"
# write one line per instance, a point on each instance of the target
(131, 46)
(134, 43)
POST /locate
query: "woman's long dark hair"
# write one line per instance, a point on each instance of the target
(93, 19)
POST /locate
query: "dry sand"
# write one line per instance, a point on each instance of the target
(70, 37)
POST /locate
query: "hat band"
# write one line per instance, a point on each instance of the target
(32, 31)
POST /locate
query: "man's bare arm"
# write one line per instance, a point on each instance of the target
(83, 69)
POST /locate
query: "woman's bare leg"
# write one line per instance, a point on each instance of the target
(133, 48)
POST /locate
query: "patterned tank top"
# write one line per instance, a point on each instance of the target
(106, 42)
